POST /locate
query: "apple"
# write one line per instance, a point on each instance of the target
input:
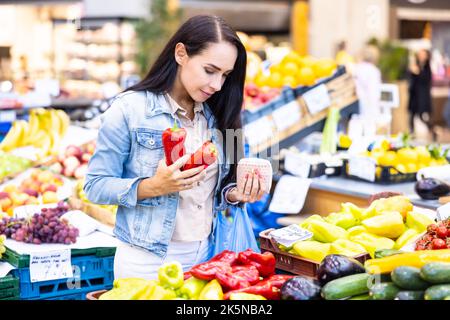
(80, 172)
(61, 157)
(73, 151)
(32, 200)
(56, 167)
(86, 157)
(19, 199)
(5, 201)
(251, 90)
(48, 187)
(90, 147)
(68, 172)
(71, 162)
(49, 197)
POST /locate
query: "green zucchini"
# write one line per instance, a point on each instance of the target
(384, 291)
(353, 285)
(408, 278)
(437, 292)
(364, 296)
(410, 295)
(436, 272)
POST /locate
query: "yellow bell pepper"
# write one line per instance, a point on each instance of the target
(342, 219)
(389, 225)
(129, 289)
(326, 232)
(412, 259)
(161, 293)
(212, 291)
(372, 242)
(347, 248)
(192, 288)
(314, 217)
(401, 204)
(405, 238)
(349, 207)
(418, 221)
(312, 250)
(355, 230)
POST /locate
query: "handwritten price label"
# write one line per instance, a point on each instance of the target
(50, 265)
(362, 167)
(317, 99)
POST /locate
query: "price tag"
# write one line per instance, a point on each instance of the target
(258, 131)
(297, 165)
(289, 235)
(443, 212)
(362, 167)
(287, 115)
(289, 195)
(7, 116)
(317, 99)
(50, 265)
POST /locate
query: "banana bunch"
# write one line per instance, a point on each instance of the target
(44, 130)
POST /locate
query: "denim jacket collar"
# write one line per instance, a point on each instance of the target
(156, 104)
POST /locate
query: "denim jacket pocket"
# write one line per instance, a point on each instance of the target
(149, 147)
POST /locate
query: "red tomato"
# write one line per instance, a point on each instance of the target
(441, 232)
(439, 244)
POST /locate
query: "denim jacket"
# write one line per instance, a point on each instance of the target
(129, 147)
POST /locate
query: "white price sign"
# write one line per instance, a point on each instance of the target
(297, 165)
(287, 115)
(289, 235)
(362, 167)
(258, 131)
(317, 99)
(443, 212)
(289, 195)
(50, 265)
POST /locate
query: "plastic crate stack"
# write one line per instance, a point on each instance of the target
(9, 288)
(93, 269)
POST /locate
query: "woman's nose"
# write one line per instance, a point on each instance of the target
(216, 83)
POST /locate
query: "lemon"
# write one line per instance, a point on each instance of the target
(289, 81)
(385, 145)
(407, 155)
(401, 168)
(411, 167)
(306, 76)
(289, 69)
(292, 56)
(388, 158)
(424, 155)
(275, 80)
(345, 141)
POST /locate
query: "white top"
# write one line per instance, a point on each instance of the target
(368, 87)
(195, 206)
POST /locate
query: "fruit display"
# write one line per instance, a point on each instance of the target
(437, 237)
(73, 161)
(294, 70)
(255, 96)
(388, 223)
(80, 194)
(11, 165)
(407, 159)
(40, 186)
(44, 131)
(246, 275)
(47, 226)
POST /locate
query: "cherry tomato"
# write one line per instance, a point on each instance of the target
(439, 244)
(441, 232)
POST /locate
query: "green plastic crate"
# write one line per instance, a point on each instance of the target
(23, 261)
(9, 288)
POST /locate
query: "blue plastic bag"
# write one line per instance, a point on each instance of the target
(235, 234)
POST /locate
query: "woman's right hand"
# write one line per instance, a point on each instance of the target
(170, 179)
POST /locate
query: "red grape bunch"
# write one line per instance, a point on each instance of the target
(44, 227)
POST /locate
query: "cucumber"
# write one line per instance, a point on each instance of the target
(364, 296)
(348, 286)
(438, 292)
(384, 291)
(410, 295)
(408, 278)
(436, 272)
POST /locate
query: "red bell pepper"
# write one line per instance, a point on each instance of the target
(226, 256)
(187, 275)
(268, 288)
(220, 263)
(173, 141)
(239, 277)
(204, 156)
(264, 262)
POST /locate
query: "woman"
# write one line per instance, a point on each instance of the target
(420, 89)
(164, 213)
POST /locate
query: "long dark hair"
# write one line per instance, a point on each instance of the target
(196, 34)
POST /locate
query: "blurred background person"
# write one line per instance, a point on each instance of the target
(343, 57)
(420, 89)
(368, 86)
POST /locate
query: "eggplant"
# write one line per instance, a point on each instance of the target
(335, 266)
(300, 288)
(431, 188)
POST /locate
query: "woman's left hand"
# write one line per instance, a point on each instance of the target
(252, 191)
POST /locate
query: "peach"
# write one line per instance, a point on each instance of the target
(56, 167)
(73, 151)
(11, 189)
(49, 197)
(5, 203)
(35, 173)
(86, 157)
(49, 187)
(71, 162)
(45, 176)
(18, 199)
(27, 182)
(32, 200)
